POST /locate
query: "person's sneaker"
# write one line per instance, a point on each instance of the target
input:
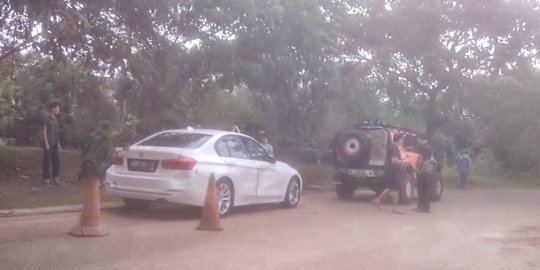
(47, 182)
(58, 182)
(377, 204)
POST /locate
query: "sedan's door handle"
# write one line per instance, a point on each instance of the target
(231, 164)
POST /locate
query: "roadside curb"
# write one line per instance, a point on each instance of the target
(53, 209)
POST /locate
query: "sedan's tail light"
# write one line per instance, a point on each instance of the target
(119, 161)
(179, 163)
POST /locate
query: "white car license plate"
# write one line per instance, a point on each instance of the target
(141, 165)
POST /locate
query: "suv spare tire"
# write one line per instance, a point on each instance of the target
(354, 147)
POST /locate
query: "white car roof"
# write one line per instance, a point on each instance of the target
(212, 132)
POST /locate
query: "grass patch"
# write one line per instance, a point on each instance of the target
(21, 184)
(315, 175)
(491, 180)
(321, 175)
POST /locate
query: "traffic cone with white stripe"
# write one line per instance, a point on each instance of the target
(89, 224)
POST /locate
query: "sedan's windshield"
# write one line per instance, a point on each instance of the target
(176, 139)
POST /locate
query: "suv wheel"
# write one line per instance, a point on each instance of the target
(354, 147)
(406, 190)
(345, 191)
(437, 191)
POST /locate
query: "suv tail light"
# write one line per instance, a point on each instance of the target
(179, 163)
(119, 161)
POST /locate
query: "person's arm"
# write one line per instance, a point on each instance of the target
(396, 159)
(45, 139)
(418, 164)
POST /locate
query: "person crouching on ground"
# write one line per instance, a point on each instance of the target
(425, 168)
(394, 175)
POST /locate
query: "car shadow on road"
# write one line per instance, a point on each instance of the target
(364, 196)
(256, 208)
(171, 212)
(160, 211)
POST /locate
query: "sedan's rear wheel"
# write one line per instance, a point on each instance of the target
(136, 204)
(225, 195)
(292, 196)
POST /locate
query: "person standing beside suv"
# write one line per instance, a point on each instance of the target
(394, 174)
(425, 168)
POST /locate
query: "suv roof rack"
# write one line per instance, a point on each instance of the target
(381, 124)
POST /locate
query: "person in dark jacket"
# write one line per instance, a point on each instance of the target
(51, 145)
(425, 168)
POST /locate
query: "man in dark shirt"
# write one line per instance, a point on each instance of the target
(393, 176)
(51, 145)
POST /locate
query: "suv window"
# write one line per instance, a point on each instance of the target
(236, 147)
(410, 143)
(255, 150)
(177, 139)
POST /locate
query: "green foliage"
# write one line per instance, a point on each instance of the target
(97, 153)
(301, 69)
(508, 115)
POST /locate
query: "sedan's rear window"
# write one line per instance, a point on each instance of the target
(175, 139)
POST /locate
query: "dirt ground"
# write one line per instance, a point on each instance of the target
(472, 229)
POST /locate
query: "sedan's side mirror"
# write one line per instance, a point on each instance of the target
(271, 159)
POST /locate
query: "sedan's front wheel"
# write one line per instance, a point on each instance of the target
(225, 195)
(292, 196)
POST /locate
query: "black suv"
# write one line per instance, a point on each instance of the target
(361, 159)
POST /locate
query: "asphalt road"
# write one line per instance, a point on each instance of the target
(472, 229)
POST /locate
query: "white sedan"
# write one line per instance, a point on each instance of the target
(175, 165)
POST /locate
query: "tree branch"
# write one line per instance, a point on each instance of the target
(15, 49)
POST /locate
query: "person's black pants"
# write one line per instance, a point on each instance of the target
(424, 191)
(51, 158)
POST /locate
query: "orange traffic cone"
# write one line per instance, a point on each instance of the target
(210, 214)
(89, 225)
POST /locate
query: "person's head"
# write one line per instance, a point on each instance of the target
(398, 138)
(54, 107)
(426, 151)
(421, 139)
